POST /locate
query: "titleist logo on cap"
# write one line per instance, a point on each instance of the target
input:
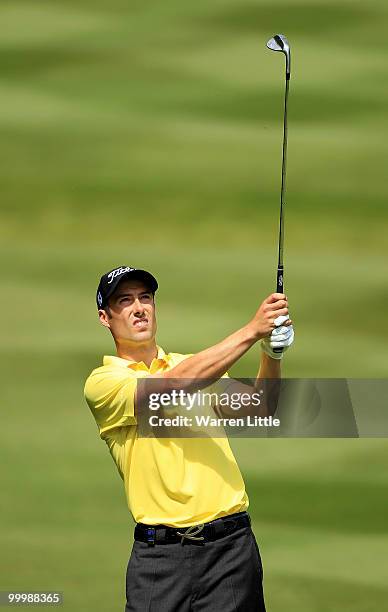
(112, 275)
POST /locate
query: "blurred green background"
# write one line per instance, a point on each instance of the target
(149, 134)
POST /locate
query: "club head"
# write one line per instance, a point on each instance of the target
(280, 43)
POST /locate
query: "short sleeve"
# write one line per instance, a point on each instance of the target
(110, 395)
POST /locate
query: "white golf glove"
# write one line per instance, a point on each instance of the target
(281, 337)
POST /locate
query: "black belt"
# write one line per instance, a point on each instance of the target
(196, 534)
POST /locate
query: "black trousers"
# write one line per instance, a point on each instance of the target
(221, 576)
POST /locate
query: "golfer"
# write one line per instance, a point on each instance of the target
(193, 549)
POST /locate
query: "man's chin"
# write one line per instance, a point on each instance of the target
(133, 336)
(142, 336)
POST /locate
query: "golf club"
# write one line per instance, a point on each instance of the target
(280, 43)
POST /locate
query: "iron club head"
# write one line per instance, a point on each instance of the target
(280, 43)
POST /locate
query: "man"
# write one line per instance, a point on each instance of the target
(194, 549)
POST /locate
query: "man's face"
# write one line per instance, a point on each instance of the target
(132, 313)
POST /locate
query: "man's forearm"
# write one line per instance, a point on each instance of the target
(213, 362)
(269, 368)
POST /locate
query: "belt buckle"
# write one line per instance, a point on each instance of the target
(191, 533)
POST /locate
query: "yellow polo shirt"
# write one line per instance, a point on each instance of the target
(172, 481)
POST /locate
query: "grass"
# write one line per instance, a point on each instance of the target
(150, 134)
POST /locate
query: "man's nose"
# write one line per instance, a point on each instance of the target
(138, 307)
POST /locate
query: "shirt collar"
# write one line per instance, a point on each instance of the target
(160, 361)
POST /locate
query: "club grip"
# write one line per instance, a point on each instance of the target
(279, 289)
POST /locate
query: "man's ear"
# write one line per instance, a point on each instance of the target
(104, 318)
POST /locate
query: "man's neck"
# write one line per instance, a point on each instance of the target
(142, 352)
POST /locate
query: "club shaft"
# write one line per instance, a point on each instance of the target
(280, 270)
(284, 176)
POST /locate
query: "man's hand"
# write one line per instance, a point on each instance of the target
(273, 307)
(281, 337)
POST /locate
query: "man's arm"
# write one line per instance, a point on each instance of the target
(268, 377)
(211, 363)
(269, 368)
